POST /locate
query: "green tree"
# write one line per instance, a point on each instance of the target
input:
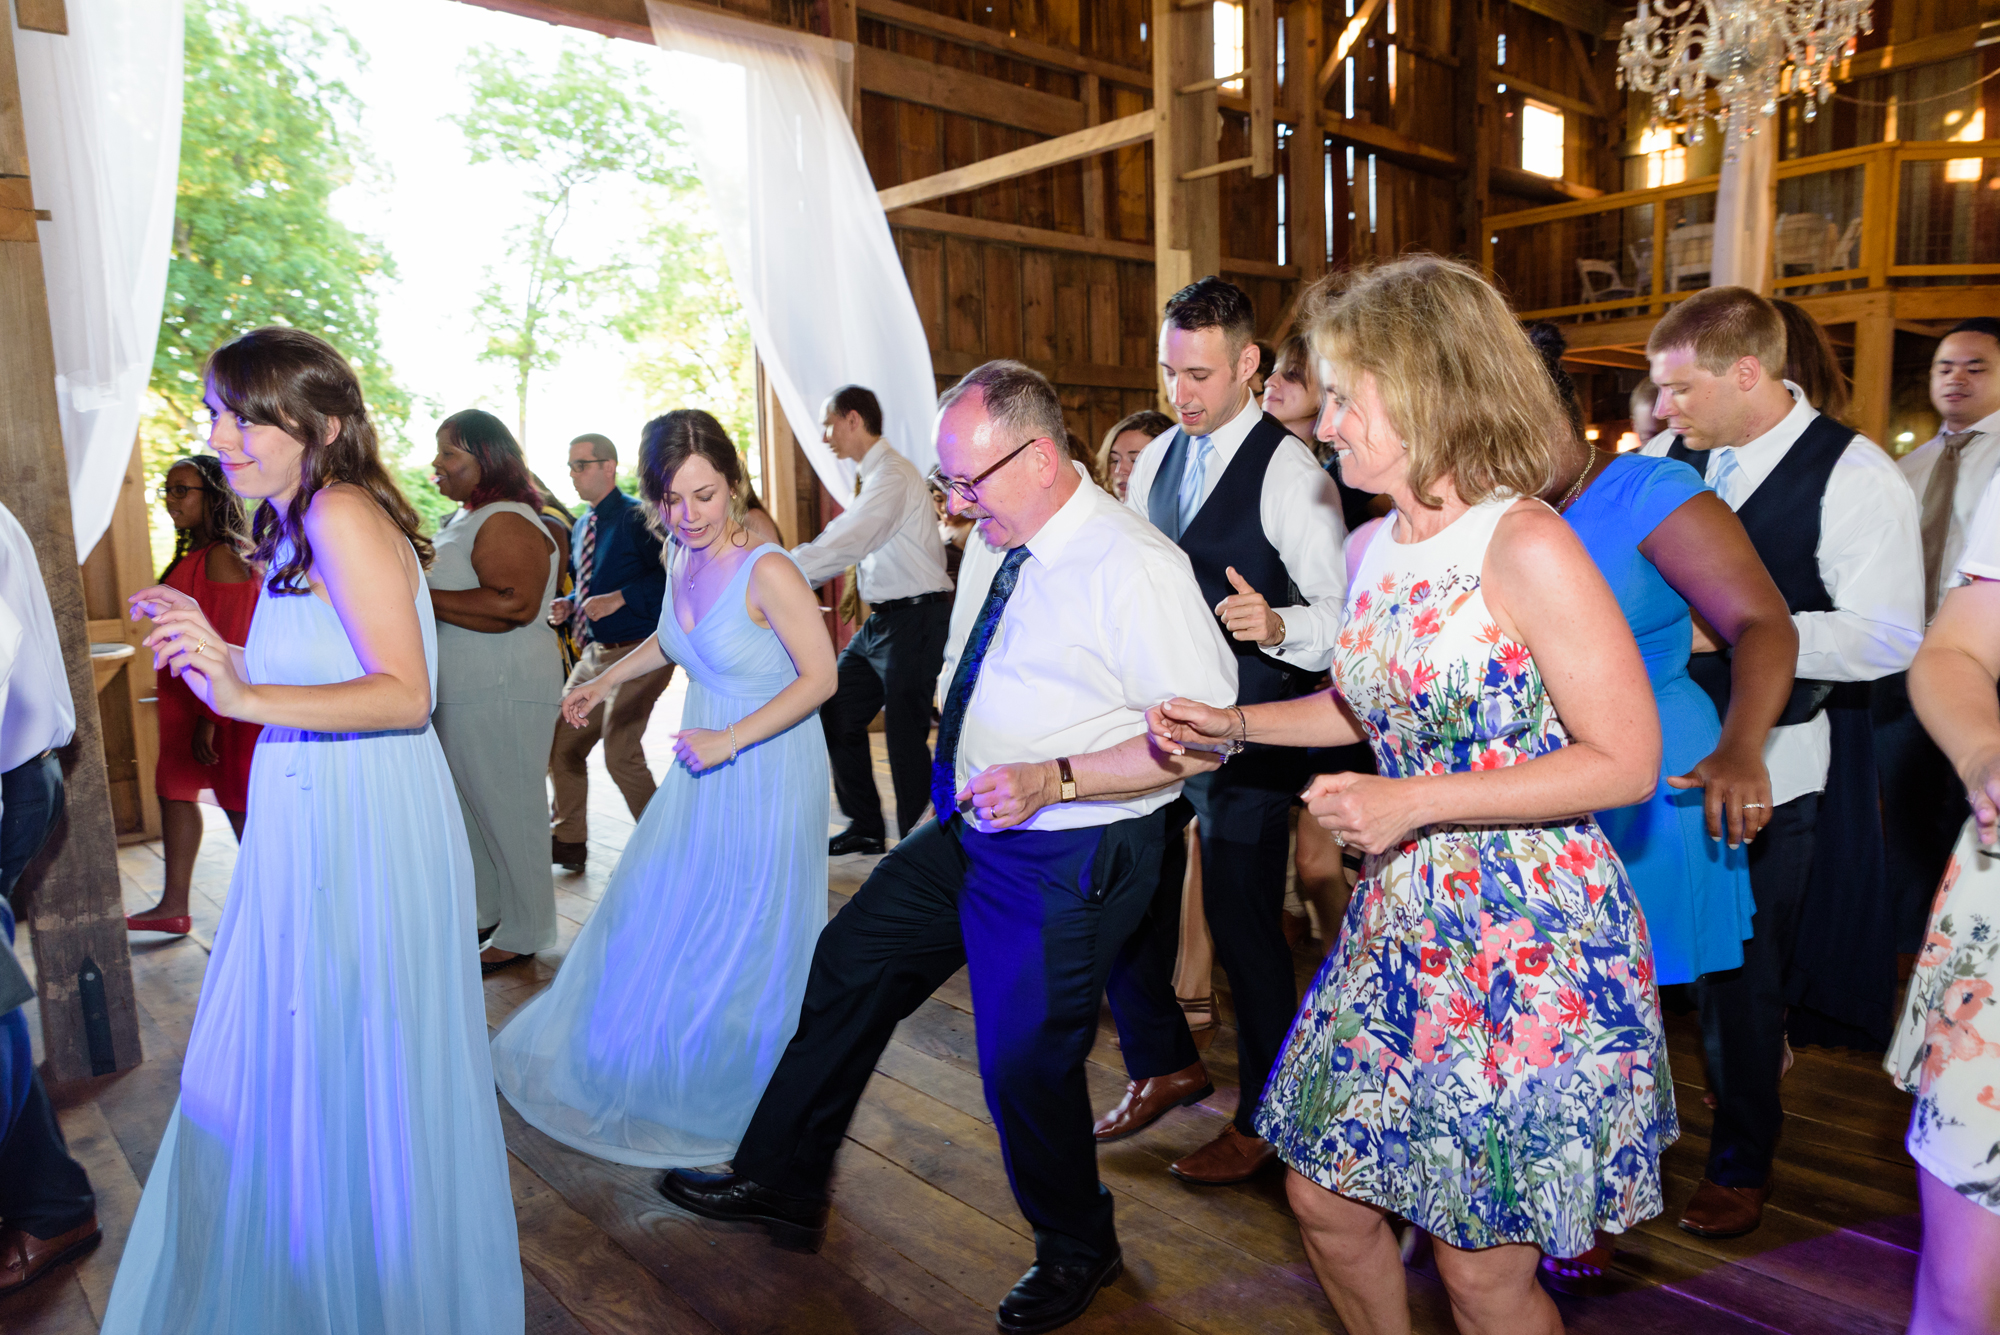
(268, 133)
(578, 123)
(683, 318)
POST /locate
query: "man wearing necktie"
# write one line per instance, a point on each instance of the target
(1042, 861)
(1923, 803)
(1261, 524)
(1838, 533)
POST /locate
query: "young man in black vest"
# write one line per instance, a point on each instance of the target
(1837, 528)
(1261, 523)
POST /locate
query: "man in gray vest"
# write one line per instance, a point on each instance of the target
(1261, 523)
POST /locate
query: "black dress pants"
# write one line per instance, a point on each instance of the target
(1923, 808)
(1743, 1009)
(891, 665)
(1245, 810)
(42, 1190)
(1038, 917)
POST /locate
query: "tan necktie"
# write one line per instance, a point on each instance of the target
(852, 610)
(1935, 523)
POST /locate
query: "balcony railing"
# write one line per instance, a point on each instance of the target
(1884, 215)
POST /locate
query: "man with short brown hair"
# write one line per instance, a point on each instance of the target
(1833, 523)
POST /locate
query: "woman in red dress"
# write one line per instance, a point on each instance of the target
(203, 757)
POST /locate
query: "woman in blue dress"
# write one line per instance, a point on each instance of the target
(1666, 544)
(334, 1165)
(661, 1030)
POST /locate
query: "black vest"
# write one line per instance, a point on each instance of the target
(1228, 531)
(1782, 518)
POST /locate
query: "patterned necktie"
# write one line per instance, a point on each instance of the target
(586, 554)
(1935, 523)
(852, 610)
(1726, 477)
(1191, 481)
(944, 769)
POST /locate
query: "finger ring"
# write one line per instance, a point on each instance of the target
(1753, 806)
(201, 644)
(1340, 838)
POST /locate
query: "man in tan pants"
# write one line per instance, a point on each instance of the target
(616, 606)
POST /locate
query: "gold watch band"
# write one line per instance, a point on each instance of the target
(1066, 791)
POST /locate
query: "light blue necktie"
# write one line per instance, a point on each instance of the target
(1726, 477)
(1192, 479)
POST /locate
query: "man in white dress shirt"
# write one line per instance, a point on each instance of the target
(889, 532)
(47, 1211)
(1043, 861)
(1837, 529)
(1923, 802)
(1260, 521)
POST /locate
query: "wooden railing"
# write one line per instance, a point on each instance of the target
(1861, 218)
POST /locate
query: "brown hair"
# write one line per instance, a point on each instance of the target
(1149, 420)
(669, 441)
(1456, 374)
(1810, 361)
(300, 384)
(1724, 325)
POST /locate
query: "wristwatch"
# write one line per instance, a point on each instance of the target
(1067, 788)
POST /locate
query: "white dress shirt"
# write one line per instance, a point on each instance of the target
(11, 633)
(1981, 557)
(1300, 510)
(1873, 568)
(1105, 622)
(40, 714)
(1976, 468)
(890, 531)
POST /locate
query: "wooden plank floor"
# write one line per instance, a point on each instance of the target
(925, 1235)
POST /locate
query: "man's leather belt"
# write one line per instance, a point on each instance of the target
(918, 601)
(616, 644)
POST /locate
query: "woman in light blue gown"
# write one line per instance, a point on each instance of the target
(335, 1164)
(660, 1031)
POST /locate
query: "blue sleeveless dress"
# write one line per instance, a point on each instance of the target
(658, 1035)
(1694, 890)
(335, 1163)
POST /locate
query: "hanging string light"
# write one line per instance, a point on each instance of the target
(1750, 52)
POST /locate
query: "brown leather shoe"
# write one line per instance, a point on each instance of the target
(25, 1258)
(1230, 1157)
(1147, 1101)
(1724, 1212)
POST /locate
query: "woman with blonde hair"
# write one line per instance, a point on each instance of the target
(1481, 1053)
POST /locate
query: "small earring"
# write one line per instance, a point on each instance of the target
(1403, 445)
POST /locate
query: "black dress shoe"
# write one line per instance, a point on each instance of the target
(568, 856)
(847, 841)
(796, 1222)
(1054, 1295)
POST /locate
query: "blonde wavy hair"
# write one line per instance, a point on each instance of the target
(1462, 385)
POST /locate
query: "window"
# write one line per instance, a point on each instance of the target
(1229, 44)
(1541, 139)
(1972, 130)
(1666, 161)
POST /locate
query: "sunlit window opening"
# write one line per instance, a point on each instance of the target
(1973, 128)
(1666, 161)
(1229, 43)
(1541, 139)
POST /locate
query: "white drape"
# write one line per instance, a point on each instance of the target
(807, 243)
(102, 110)
(1745, 204)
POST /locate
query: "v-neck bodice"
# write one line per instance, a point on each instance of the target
(727, 653)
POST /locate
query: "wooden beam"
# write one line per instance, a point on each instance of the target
(1515, 181)
(1121, 133)
(1305, 168)
(1392, 143)
(1918, 51)
(1588, 16)
(1586, 74)
(1090, 376)
(778, 455)
(1351, 34)
(1472, 111)
(43, 16)
(1093, 166)
(927, 83)
(1539, 93)
(1042, 238)
(994, 40)
(623, 19)
(1187, 217)
(1260, 30)
(70, 895)
(1216, 169)
(1874, 372)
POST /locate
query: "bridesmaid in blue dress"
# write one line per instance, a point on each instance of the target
(334, 1165)
(661, 1030)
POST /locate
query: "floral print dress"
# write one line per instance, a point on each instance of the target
(1481, 1053)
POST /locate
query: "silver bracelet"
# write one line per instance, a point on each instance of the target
(732, 742)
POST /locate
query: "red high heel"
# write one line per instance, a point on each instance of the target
(180, 926)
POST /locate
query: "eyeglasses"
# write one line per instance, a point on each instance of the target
(967, 489)
(177, 491)
(578, 465)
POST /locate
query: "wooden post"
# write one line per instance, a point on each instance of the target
(1093, 166)
(844, 25)
(128, 711)
(1187, 215)
(1260, 51)
(779, 458)
(1473, 112)
(1874, 369)
(1305, 167)
(70, 894)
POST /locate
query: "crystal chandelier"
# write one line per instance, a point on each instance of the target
(1752, 52)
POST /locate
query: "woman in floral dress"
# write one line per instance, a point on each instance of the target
(1947, 1052)
(1481, 1053)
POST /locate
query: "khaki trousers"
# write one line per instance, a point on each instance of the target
(620, 719)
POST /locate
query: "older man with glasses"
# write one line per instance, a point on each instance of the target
(1051, 804)
(620, 582)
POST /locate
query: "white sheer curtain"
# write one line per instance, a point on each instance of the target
(807, 243)
(102, 109)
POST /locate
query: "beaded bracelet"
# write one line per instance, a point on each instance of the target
(732, 742)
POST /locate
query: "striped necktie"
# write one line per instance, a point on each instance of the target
(586, 558)
(1934, 525)
(944, 769)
